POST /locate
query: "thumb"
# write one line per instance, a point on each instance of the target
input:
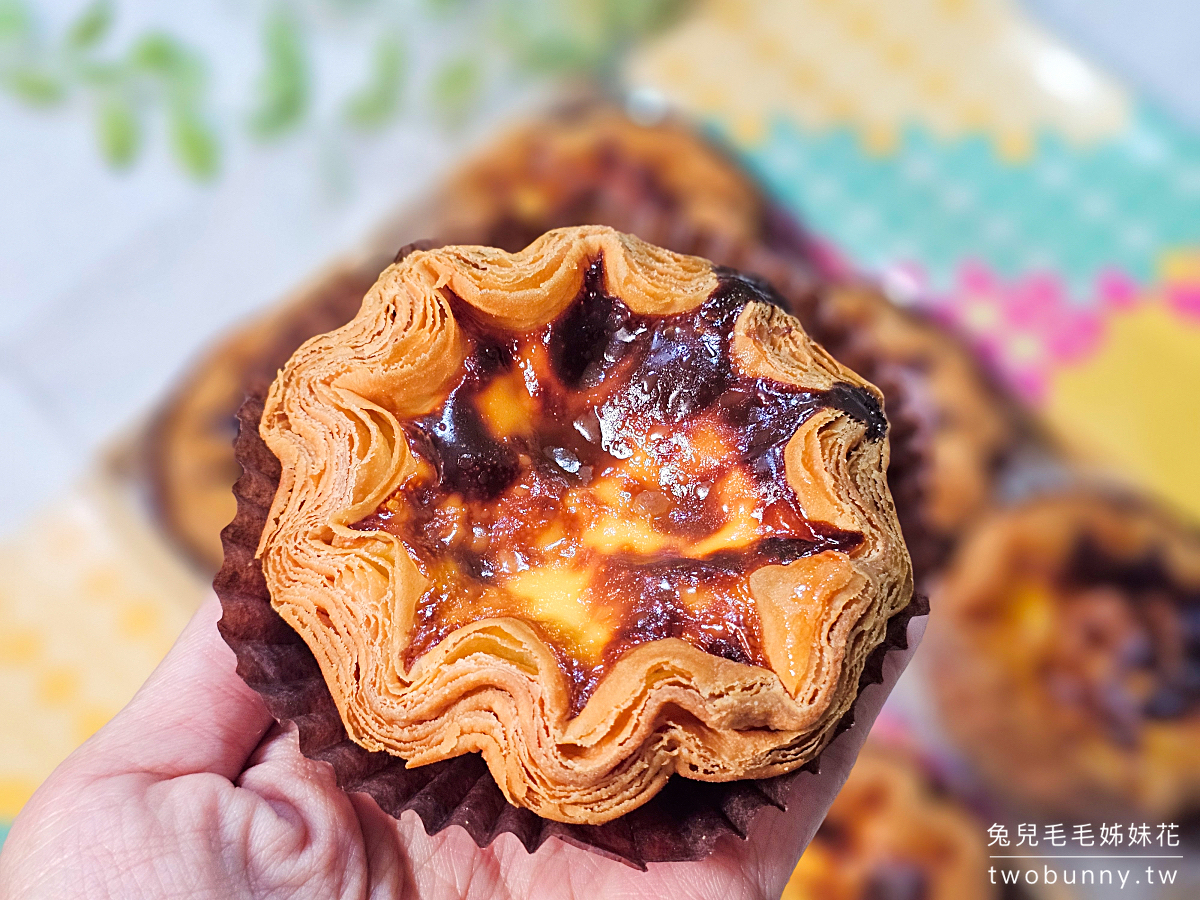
(193, 714)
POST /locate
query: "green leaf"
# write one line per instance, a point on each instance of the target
(558, 38)
(91, 26)
(101, 74)
(579, 36)
(193, 142)
(36, 87)
(119, 131)
(377, 102)
(160, 54)
(284, 87)
(456, 87)
(174, 65)
(444, 7)
(632, 19)
(16, 22)
(177, 68)
(556, 54)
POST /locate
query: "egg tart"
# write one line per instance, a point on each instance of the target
(894, 834)
(1067, 656)
(598, 511)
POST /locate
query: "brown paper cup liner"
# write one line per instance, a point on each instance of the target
(682, 822)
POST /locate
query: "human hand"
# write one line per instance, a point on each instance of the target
(193, 790)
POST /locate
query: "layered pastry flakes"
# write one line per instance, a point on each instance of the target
(597, 510)
(1067, 656)
(892, 835)
(189, 452)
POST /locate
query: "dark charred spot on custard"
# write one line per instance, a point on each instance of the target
(740, 288)
(860, 404)
(684, 367)
(1162, 648)
(735, 289)
(541, 422)
(468, 459)
(589, 337)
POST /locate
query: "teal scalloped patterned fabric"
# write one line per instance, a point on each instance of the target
(1057, 240)
(1079, 213)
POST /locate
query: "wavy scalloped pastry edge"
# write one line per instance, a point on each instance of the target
(332, 417)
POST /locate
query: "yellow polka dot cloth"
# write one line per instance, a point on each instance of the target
(86, 617)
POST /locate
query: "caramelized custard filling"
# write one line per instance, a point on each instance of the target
(1125, 638)
(612, 479)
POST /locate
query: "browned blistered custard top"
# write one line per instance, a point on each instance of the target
(610, 478)
(1127, 637)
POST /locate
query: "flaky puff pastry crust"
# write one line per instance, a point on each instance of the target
(333, 417)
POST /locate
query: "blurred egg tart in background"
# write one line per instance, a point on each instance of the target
(1066, 655)
(893, 834)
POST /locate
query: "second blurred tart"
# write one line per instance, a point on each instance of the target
(1066, 656)
(893, 835)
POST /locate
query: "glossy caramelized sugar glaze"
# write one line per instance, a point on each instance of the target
(594, 509)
